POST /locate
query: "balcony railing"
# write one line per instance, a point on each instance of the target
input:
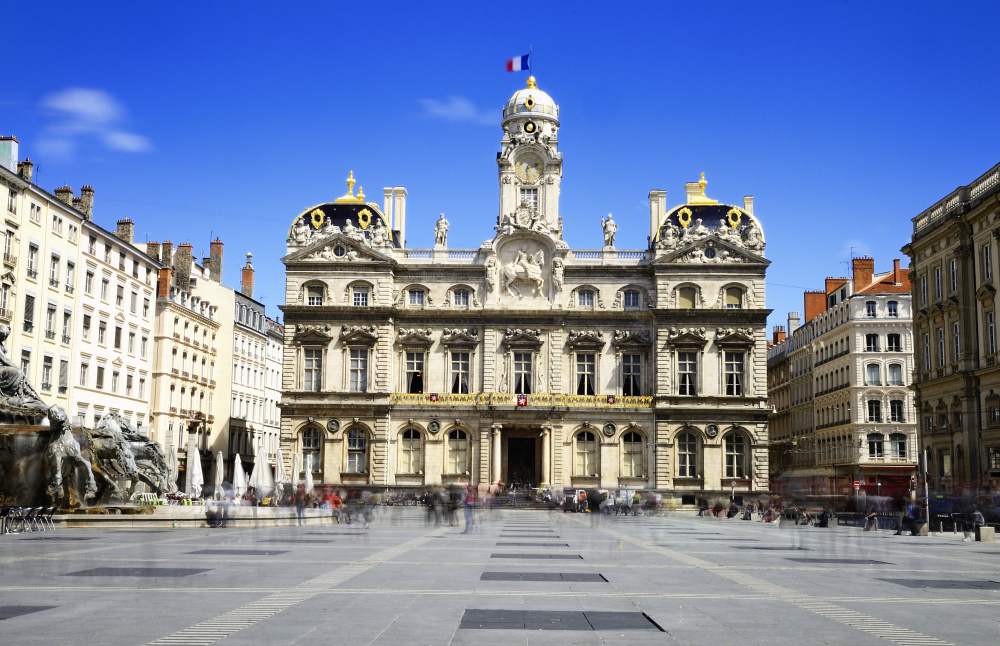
(6, 313)
(544, 400)
(65, 339)
(54, 282)
(32, 273)
(50, 334)
(69, 289)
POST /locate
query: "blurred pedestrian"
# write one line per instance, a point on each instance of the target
(470, 507)
(301, 498)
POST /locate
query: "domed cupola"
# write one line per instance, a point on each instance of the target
(529, 103)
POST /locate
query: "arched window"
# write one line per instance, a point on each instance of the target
(734, 298)
(686, 298)
(586, 454)
(736, 455)
(458, 452)
(357, 451)
(687, 455)
(585, 298)
(410, 452)
(897, 443)
(310, 449)
(631, 299)
(314, 294)
(633, 464)
(873, 375)
(876, 446)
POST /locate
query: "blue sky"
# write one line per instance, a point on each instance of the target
(844, 119)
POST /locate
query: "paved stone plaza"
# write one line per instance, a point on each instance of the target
(522, 577)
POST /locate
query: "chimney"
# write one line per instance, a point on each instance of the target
(8, 152)
(778, 334)
(246, 277)
(897, 278)
(833, 284)
(748, 204)
(87, 201)
(26, 169)
(167, 254)
(163, 281)
(182, 266)
(215, 253)
(815, 304)
(862, 272)
(153, 249)
(65, 195)
(387, 206)
(793, 322)
(399, 212)
(125, 230)
(657, 208)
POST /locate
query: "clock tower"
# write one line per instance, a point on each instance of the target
(529, 162)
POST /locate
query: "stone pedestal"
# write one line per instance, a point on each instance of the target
(986, 534)
(22, 464)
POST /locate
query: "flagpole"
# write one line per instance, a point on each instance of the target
(531, 55)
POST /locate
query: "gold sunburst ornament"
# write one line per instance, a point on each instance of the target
(684, 217)
(734, 216)
(364, 218)
(316, 218)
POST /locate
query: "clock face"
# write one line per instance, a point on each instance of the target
(529, 170)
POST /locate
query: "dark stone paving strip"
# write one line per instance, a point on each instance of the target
(241, 552)
(775, 549)
(9, 612)
(578, 577)
(145, 572)
(844, 561)
(296, 540)
(476, 619)
(946, 584)
(512, 544)
(535, 556)
(60, 538)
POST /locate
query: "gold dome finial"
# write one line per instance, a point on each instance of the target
(532, 82)
(702, 180)
(349, 197)
(350, 182)
(361, 193)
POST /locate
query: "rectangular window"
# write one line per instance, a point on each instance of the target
(415, 372)
(50, 322)
(313, 369)
(417, 297)
(461, 363)
(893, 308)
(54, 271)
(585, 298)
(84, 372)
(142, 387)
(991, 337)
(100, 377)
(70, 276)
(687, 373)
(461, 297)
(145, 308)
(142, 346)
(114, 381)
(631, 375)
(871, 343)
(26, 362)
(46, 373)
(118, 338)
(893, 343)
(133, 302)
(944, 464)
(522, 373)
(105, 285)
(927, 351)
(129, 382)
(102, 332)
(987, 262)
(632, 299)
(924, 300)
(874, 410)
(952, 276)
(734, 373)
(937, 283)
(529, 197)
(32, 261)
(870, 309)
(29, 312)
(120, 295)
(67, 326)
(360, 297)
(895, 374)
(131, 342)
(359, 370)
(88, 282)
(896, 411)
(956, 342)
(86, 327)
(940, 347)
(586, 367)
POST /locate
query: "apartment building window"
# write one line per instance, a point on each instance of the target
(873, 375)
(893, 308)
(107, 253)
(895, 374)
(870, 309)
(5, 299)
(991, 337)
(88, 282)
(461, 363)
(92, 246)
(102, 332)
(32, 261)
(100, 378)
(687, 373)
(142, 386)
(70, 276)
(359, 370)
(631, 299)
(897, 444)
(114, 381)
(927, 351)
(129, 382)
(586, 367)
(734, 373)
(986, 255)
(523, 373)
(145, 308)
(312, 378)
(736, 455)
(952, 276)
(360, 296)
(46, 373)
(924, 300)
(26, 362)
(131, 342)
(871, 343)
(54, 270)
(874, 410)
(63, 376)
(631, 374)
(50, 322)
(118, 337)
(896, 411)
(84, 372)
(937, 283)
(120, 295)
(415, 372)
(121, 260)
(86, 327)
(12, 202)
(29, 312)
(940, 347)
(357, 451)
(687, 455)
(529, 197)
(956, 342)
(105, 285)
(133, 302)
(876, 446)
(67, 326)
(893, 343)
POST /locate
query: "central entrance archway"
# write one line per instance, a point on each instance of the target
(522, 457)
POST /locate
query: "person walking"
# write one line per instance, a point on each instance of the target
(973, 521)
(470, 507)
(300, 505)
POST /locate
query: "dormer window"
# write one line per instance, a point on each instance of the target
(585, 298)
(461, 297)
(417, 297)
(631, 299)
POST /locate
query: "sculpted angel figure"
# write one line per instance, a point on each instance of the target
(557, 274)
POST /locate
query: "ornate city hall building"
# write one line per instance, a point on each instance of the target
(524, 361)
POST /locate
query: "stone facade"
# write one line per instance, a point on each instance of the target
(953, 257)
(524, 361)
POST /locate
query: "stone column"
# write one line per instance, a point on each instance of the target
(496, 457)
(546, 456)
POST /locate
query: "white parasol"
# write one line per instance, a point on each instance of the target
(197, 478)
(220, 475)
(309, 473)
(239, 478)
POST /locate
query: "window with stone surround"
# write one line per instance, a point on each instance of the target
(586, 457)
(458, 452)
(736, 455)
(523, 372)
(633, 455)
(586, 373)
(410, 452)
(461, 361)
(687, 455)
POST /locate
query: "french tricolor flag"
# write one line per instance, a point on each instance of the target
(518, 63)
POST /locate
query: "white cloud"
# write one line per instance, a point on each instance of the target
(86, 112)
(458, 108)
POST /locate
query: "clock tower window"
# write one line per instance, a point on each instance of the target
(529, 197)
